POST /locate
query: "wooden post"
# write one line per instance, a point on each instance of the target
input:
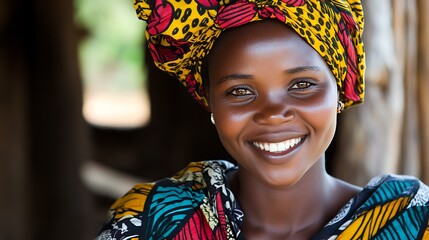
(369, 135)
(423, 86)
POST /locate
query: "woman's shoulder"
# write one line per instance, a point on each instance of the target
(391, 186)
(148, 208)
(190, 178)
(388, 207)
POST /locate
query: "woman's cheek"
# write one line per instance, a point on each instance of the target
(231, 125)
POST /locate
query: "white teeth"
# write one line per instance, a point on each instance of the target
(288, 144)
(273, 147)
(266, 147)
(277, 147)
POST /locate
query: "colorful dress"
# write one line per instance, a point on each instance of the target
(197, 204)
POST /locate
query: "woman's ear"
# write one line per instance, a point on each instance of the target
(206, 82)
(209, 106)
(207, 92)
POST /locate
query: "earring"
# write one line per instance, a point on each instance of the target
(340, 106)
(212, 118)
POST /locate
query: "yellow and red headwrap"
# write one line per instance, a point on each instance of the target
(180, 34)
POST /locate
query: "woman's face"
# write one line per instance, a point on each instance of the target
(274, 101)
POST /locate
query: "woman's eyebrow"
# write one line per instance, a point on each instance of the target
(238, 76)
(234, 77)
(303, 69)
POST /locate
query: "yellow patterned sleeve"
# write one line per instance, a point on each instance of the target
(132, 203)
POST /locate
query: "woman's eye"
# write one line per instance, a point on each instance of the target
(302, 85)
(240, 92)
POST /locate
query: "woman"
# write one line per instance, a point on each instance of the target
(274, 74)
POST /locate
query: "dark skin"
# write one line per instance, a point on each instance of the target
(274, 102)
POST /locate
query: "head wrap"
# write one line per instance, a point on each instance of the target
(180, 33)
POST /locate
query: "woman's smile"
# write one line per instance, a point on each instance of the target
(278, 152)
(279, 147)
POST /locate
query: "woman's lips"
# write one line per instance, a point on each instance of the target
(278, 147)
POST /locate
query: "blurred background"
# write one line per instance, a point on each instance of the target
(84, 114)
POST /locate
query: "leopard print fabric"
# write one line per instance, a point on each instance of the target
(180, 34)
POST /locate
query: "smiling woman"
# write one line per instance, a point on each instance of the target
(270, 88)
(274, 75)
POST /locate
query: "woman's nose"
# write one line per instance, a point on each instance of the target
(274, 113)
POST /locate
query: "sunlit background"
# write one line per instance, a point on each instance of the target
(111, 61)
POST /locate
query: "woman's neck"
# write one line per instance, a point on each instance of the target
(297, 211)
